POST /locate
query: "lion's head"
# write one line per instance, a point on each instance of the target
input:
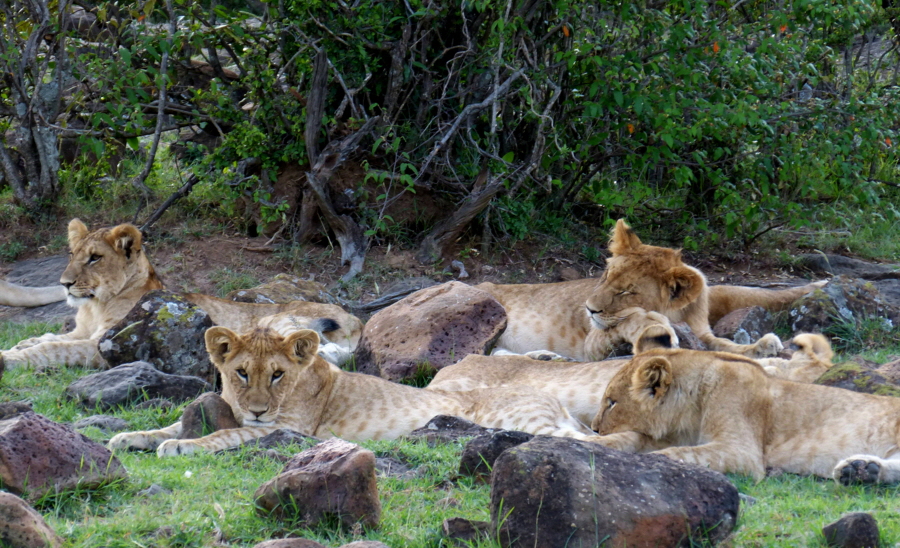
(643, 276)
(266, 376)
(632, 396)
(105, 263)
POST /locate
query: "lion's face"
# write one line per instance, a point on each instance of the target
(633, 396)
(101, 263)
(643, 276)
(261, 370)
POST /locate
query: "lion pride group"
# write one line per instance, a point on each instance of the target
(735, 408)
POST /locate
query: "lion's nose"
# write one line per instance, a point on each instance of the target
(592, 311)
(67, 285)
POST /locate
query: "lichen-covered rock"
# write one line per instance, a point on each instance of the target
(431, 328)
(164, 330)
(745, 325)
(564, 492)
(859, 375)
(38, 455)
(132, 383)
(22, 527)
(842, 299)
(284, 288)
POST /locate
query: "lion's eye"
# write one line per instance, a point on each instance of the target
(277, 375)
(623, 293)
(610, 403)
(242, 374)
(94, 258)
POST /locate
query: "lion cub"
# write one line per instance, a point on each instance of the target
(273, 381)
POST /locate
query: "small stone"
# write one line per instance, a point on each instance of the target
(205, 415)
(465, 532)
(856, 530)
(106, 423)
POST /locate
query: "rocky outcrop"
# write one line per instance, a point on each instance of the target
(564, 492)
(284, 288)
(430, 329)
(131, 383)
(335, 479)
(164, 330)
(38, 455)
(861, 375)
(745, 325)
(841, 300)
(447, 429)
(22, 527)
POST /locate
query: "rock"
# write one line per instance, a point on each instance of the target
(38, 273)
(133, 382)
(290, 543)
(284, 288)
(431, 328)
(333, 479)
(856, 530)
(164, 330)
(13, 408)
(686, 338)
(842, 299)
(745, 325)
(479, 454)
(107, 423)
(837, 265)
(859, 375)
(366, 544)
(155, 403)
(22, 527)
(890, 370)
(154, 489)
(389, 467)
(564, 492)
(39, 455)
(203, 416)
(465, 532)
(447, 429)
(282, 438)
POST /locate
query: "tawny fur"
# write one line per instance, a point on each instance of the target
(722, 411)
(108, 273)
(809, 362)
(272, 382)
(19, 295)
(557, 317)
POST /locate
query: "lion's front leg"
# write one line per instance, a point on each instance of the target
(722, 457)
(866, 469)
(33, 341)
(146, 440)
(629, 442)
(217, 441)
(45, 354)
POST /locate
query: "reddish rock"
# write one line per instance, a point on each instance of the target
(205, 415)
(38, 455)
(433, 327)
(745, 325)
(22, 527)
(563, 492)
(686, 338)
(334, 478)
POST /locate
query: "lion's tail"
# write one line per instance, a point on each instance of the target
(726, 298)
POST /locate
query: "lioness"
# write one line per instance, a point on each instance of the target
(559, 316)
(579, 387)
(19, 295)
(271, 382)
(722, 411)
(108, 273)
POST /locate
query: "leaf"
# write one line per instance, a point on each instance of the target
(508, 157)
(620, 99)
(148, 7)
(667, 139)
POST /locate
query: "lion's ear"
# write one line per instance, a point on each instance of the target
(623, 239)
(655, 336)
(220, 342)
(685, 286)
(301, 344)
(125, 238)
(77, 232)
(651, 380)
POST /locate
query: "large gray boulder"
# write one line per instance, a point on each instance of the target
(430, 329)
(132, 383)
(38, 456)
(745, 325)
(841, 300)
(164, 330)
(563, 492)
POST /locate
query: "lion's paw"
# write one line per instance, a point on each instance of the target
(173, 448)
(858, 469)
(547, 356)
(769, 345)
(135, 441)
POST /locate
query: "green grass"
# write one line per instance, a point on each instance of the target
(228, 280)
(215, 499)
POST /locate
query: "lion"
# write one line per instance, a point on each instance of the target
(579, 387)
(722, 411)
(558, 317)
(20, 295)
(109, 272)
(273, 381)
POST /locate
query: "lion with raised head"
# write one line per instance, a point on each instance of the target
(559, 317)
(723, 411)
(273, 381)
(20, 295)
(109, 272)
